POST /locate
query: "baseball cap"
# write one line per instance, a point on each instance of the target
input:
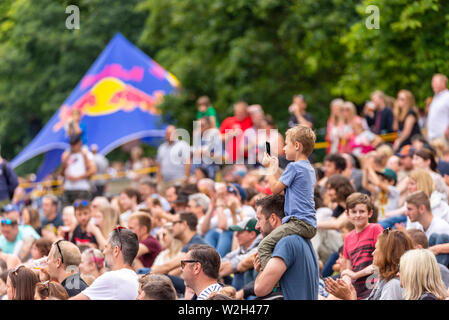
(10, 207)
(242, 191)
(249, 224)
(388, 173)
(406, 151)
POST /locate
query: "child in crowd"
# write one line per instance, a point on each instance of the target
(83, 215)
(298, 180)
(382, 184)
(360, 243)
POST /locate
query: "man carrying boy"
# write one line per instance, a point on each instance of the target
(360, 243)
(298, 180)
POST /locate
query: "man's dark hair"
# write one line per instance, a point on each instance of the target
(342, 186)
(149, 182)
(159, 287)
(190, 218)
(208, 257)
(338, 160)
(128, 242)
(272, 204)
(131, 192)
(188, 189)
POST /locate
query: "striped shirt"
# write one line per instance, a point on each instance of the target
(206, 292)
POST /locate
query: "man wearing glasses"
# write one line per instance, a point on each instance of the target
(63, 261)
(121, 283)
(200, 270)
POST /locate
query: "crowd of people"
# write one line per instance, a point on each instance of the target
(371, 221)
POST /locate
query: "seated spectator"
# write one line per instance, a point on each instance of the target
(436, 229)
(382, 186)
(92, 264)
(425, 159)
(86, 232)
(148, 191)
(224, 212)
(50, 290)
(157, 287)
(205, 109)
(200, 270)
(40, 249)
(52, 219)
(420, 276)
(106, 217)
(21, 283)
(359, 210)
(170, 245)
(16, 239)
(149, 247)
(63, 261)
(362, 140)
(129, 199)
(420, 242)
(121, 283)
(184, 229)
(333, 164)
(70, 223)
(30, 216)
(248, 238)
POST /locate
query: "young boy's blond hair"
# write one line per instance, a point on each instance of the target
(304, 135)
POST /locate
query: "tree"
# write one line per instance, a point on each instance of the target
(42, 61)
(408, 48)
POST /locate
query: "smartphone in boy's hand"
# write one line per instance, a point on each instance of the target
(268, 148)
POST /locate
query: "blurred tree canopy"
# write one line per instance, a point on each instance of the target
(260, 51)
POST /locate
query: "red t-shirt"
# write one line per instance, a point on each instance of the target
(358, 248)
(234, 123)
(154, 247)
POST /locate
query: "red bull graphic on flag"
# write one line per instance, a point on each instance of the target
(117, 100)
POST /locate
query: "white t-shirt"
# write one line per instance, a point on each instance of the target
(172, 159)
(76, 167)
(438, 118)
(122, 284)
(437, 225)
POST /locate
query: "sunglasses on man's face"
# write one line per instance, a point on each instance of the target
(8, 222)
(184, 262)
(81, 203)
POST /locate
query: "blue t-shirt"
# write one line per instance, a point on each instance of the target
(24, 232)
(301, 279)
(195, 239)
(299, 178)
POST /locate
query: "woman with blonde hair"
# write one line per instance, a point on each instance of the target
(419, 179)
(420, 276)
(333, 124)
(105, 216)
(171, 246)
(406, 119)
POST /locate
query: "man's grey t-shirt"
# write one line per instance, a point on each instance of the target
(300, 179)
(301, 279)
(172, 159)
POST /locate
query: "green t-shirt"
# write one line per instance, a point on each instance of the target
(209, 113)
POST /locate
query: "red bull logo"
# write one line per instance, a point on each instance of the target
(108, 96)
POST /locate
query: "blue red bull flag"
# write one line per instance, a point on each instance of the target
(117, 101)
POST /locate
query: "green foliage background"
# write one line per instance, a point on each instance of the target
(261, 51)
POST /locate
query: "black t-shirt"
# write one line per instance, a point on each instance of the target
(79, 237)
(293, 121)
(338, 211)
(415, 129)
(74, 284)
